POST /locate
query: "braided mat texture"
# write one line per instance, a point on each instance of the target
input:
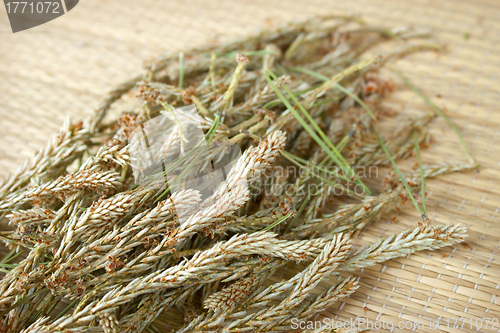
(65, 66)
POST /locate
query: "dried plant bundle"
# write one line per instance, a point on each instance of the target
(221, 175)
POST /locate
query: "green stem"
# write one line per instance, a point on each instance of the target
(153, 327)
(181, 71)
(6, 258)
(290, 156)
(66, 309)
(386, 151)
(211, 70)
(337, 86)
(281, 220)
(22, 301)
(276, 102)
(211, 134)
(422, 176)
(301, 209)
(329, 182)
(53, 306)
(332, 151)
(439, 112)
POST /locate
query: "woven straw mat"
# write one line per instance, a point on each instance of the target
(63, 68)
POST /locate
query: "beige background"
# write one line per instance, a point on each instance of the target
(63, 68)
